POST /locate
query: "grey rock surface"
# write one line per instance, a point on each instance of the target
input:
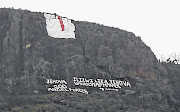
(97, 52)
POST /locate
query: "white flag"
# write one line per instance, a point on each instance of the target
(59, 27)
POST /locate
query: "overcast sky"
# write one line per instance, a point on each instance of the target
(156, 21)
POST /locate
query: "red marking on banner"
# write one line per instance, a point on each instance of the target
(61, 22)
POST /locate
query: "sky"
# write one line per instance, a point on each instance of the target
(157, 22)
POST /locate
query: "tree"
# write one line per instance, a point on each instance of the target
(175, 58)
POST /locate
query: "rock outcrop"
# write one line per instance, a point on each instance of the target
(97, 52)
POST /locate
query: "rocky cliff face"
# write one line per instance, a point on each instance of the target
(28, 56)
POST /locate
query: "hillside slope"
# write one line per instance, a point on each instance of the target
(97, 52)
